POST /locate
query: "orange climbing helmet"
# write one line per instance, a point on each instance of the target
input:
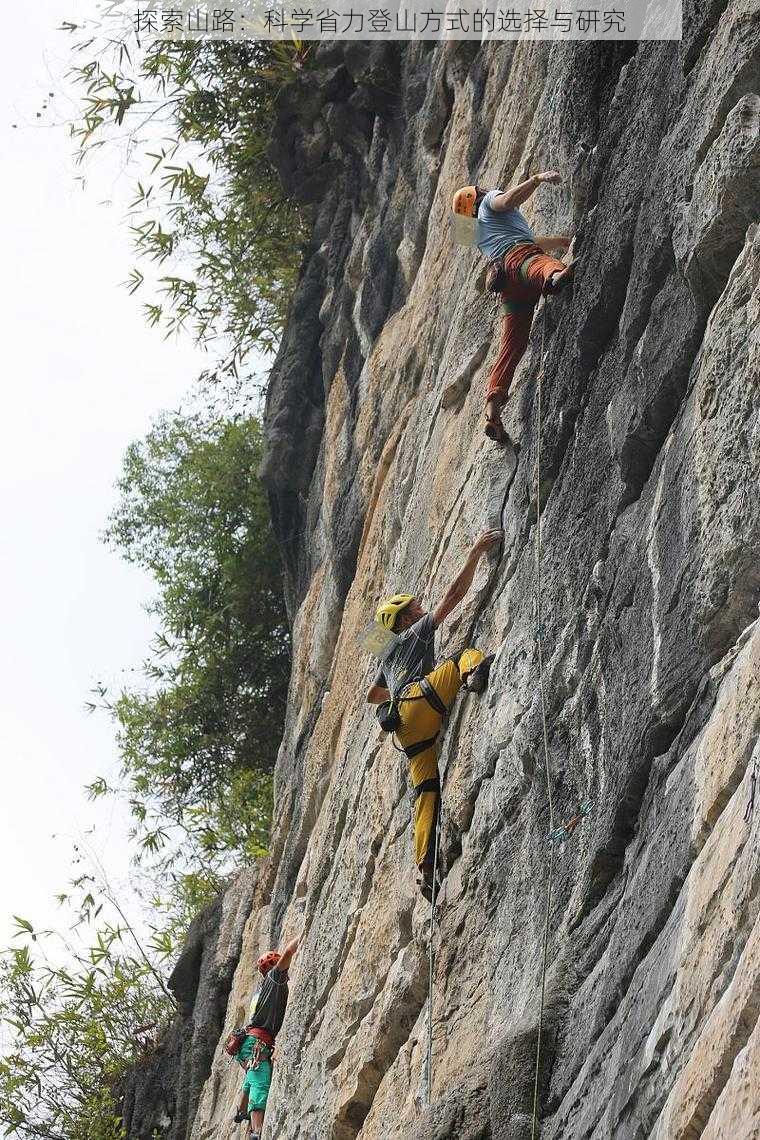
(267, 961)
(465, 201)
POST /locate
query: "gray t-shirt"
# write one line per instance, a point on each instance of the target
(412, 656)
(270, 1002)
(499, 230)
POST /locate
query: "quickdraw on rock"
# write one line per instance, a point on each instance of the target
(564, 831)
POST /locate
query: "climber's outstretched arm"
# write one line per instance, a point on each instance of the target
(287, 956)
(554, 243)
(376, 694)
(461, 584)
(515, 197)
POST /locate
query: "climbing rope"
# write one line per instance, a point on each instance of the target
(752, 791)
(545, 733)
(539, 641)
(431, 962)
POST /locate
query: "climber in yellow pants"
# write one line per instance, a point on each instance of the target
(414, 696)
(420, 723)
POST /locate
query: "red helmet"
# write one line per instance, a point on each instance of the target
(267, 961)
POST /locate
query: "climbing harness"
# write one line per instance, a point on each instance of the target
(388, 713)
(261, 1052)
(496, 276)
(431, 785)
(565, 830)
(432, 698)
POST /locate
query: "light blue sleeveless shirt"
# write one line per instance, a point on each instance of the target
(499, 230)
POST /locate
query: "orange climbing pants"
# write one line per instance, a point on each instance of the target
(420, 721)
(528, 269)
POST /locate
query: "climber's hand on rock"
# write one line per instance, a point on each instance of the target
(464, 578)
(486, 542)
(552, 176)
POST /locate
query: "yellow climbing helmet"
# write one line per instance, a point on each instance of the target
(464, 201)
(390, 608)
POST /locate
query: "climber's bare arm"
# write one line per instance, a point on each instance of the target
(287, 956)
(515, 197)
(554, 243)
(461, 584)
(376, 694)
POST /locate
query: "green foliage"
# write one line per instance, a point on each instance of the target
(209, 211)
(74, 1015)
(200, 739)
(199, 736)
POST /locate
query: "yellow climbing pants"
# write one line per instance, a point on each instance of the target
(420, 721)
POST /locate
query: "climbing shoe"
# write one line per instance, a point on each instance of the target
(496, 431)
(425, 881)
(559, 280)
(240, 1117)
(477, 680)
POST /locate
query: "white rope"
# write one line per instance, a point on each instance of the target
(539, 638)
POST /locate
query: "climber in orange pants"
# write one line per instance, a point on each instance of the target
(527, 270)
(414, 696)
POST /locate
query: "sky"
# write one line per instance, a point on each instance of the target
(82, 376)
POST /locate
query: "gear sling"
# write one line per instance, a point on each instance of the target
(420, 710)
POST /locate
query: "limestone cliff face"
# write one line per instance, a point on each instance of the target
(380, 479)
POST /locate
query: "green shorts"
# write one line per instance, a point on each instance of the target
(257, 1082)
(244, 1052)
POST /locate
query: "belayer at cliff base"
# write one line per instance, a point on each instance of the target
(253, 1046)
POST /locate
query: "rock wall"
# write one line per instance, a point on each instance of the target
(380, 478)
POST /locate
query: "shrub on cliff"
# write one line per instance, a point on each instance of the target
(77, 1009)
(199, 738)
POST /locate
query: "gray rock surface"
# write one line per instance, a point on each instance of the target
(380, 478)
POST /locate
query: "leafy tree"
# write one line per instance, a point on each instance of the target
(75, 1014)
(200, 738)
(209, 210)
